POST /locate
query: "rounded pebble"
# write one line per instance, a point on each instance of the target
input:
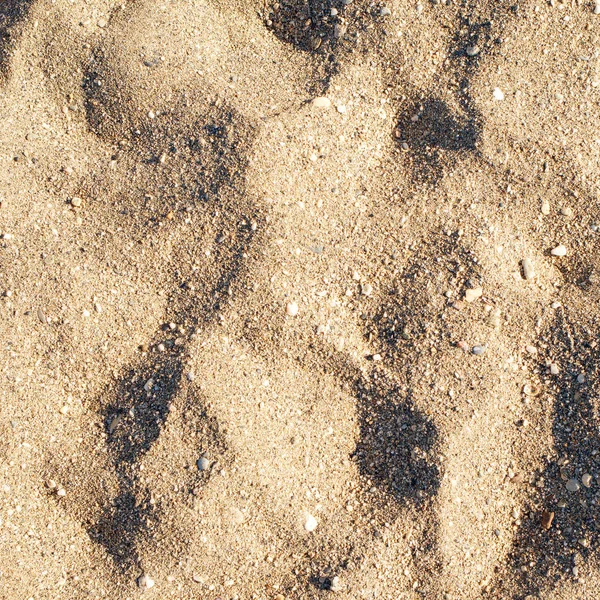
(586, 479)
(559, 251)
(554, 370)
(528, 270)
(310, 523)
(498, 94)
(472, 50)
(322, 102)
(573, 485)
(203, 464)
(385, 11)
(292, 309)
(581, 378)
(545, 207)
(478, 349)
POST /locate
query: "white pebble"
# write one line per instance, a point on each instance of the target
(581, 378)
(203, 464)
(559, 251)
(573, 485)
(472, 295)
(336, 584)
(586, 480)
(310, 524)
(145, 582)
(385, 11)
(292, 309)
(554, 370)
(545, 207)
(498, 94)
(472, 50)
(597, 8)
(366, 289)
(322, 102)
(86, 313)
(528, 270)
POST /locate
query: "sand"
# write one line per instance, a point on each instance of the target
(281, 311)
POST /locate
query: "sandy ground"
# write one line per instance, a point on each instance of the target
(299, 299)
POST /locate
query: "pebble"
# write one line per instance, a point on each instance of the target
(597, 8)
(566, 211)
(478, 349)
(581, 378)
(531, 349)
(547, 518)
(335, 585)
(310, 524)
(472, 50)
(41, 316)
(366, 289)
(292, 309)
(498, 94)
(559, 251)
(385, 11)
(554, 370)
(76, 202)
(322, 102)
(472, 295)
(203, 464)
(333, 12)
(545, 207)
(528, 270)
(586, 479)
(573, 485)
(145, 582)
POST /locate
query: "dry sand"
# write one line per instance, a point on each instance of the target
(311, 249)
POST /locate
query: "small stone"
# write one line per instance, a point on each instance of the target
(554, 370)
(335, 585)
(64, 410)
(292, 309)
(86, 313)
(203, 464)
(528, 270)
(339, 344)
(566, 211)
(385, 11)
(479, 349)
(531, 349)
(333, 12)
(310, 523)
(472, 294)
(498, 94)
(76, 202)
(586, 479)
(97, 307)
(562, 504)
(581, 378)
(573, 485)
(145, 582)
(472, 50)
(597, 8)
(322, 102)
(545, 207)
(547, 518)
(148, 385)
(559, 251)
(161, 347)
(102, 23)
(555, 305)
(41, 316)
(366, 289)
